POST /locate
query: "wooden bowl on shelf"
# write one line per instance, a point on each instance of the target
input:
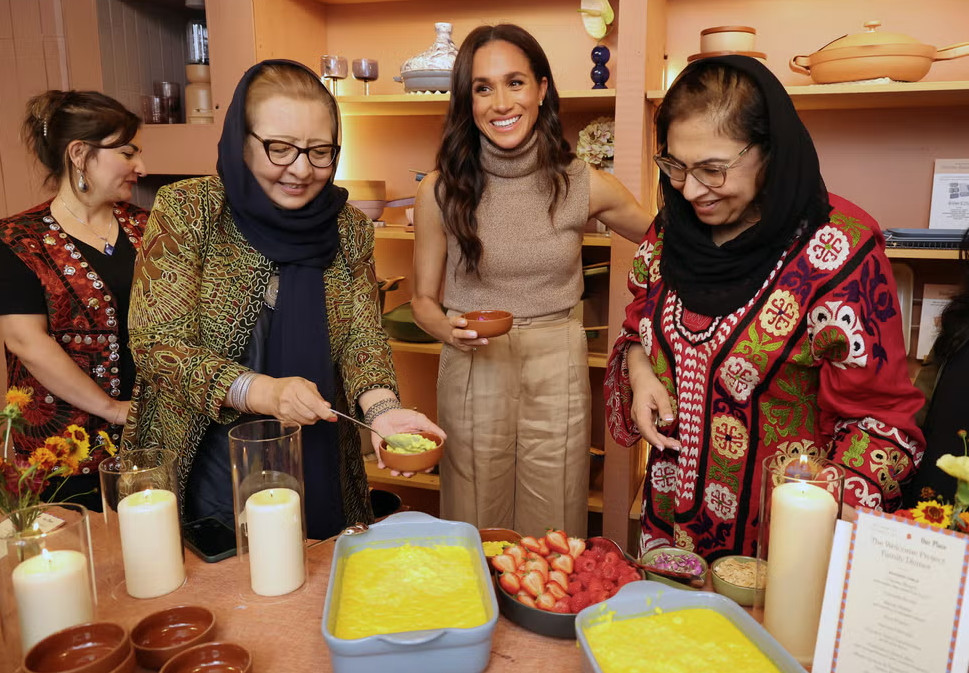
(413, 462)
(488, 323)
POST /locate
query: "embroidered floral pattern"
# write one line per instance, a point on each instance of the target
(729, 436)
(638, 274)
(683, 539)
(739, 377)
(780, 314)
(663, 477)
(721, 501)
(836, 334)
(828, 249)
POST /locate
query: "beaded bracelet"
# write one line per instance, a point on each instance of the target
(380, 407)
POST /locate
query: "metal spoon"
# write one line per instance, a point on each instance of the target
(363, 425)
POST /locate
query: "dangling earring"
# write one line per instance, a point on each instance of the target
(81, 182)
(540, 102)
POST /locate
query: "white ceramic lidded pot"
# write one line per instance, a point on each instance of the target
(431, 69)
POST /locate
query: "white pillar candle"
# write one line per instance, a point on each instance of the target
(802, 522)
(274, 525)
(151, 543)
(53, 592)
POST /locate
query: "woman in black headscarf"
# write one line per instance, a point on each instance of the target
(255, 295)
(764, 320)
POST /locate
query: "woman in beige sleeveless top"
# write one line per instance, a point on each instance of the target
(499, 224)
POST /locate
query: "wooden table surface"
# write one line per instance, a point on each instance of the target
(284, 633)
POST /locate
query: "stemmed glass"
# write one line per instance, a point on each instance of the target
(334, 68)
(365, 70)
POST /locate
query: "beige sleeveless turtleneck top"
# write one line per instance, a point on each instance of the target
(530, 264)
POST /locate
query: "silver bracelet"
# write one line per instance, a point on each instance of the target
(239, 391)
(380, 407)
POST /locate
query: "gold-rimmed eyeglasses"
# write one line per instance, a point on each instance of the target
(282, 153)
(711, 175)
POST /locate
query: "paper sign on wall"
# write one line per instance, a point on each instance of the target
(950, 195)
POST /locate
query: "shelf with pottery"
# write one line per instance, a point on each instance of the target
(849, 96)
(601, 101)
(432, 482)
(596, 360)
(403, 232)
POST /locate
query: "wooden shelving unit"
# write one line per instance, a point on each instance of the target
(869, 96)
(421, 104)
(432, 482)
(921, 253)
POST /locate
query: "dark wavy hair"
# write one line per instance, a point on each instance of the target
(954, 329)
(461, 179)
(55, 119)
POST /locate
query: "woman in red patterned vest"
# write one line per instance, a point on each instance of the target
(65, 275)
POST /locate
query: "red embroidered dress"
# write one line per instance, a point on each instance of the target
(82, 316)
(814, 363)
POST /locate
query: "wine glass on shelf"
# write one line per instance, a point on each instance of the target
(334, 68)
(365, 70)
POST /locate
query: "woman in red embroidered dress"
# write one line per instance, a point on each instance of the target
(764, 320)
(65, 275)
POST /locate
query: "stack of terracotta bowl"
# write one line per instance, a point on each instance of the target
(162, 635)
(723, 40)
(98, 647)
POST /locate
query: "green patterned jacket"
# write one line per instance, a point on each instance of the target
(197, 292)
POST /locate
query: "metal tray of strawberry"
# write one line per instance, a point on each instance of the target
(544, 582)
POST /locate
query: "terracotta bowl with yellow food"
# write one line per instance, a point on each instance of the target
(496, 539)
(412, 452)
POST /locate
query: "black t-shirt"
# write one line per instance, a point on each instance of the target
(21, 292)
(948, 414)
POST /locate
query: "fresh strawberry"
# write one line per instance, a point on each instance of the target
(610, 571)
(562, 605)
(558, 577)
(525, 599)
(557, 541)
(504, 563)
(543, 546)
(562, 562)
(510, 582)
(545, 601)
(533, 582)
(584, 564)
(575, 586)
(540, 565)
(556, 590)
(579, 601)
(517, 552)
(530, 543)
(576, 546)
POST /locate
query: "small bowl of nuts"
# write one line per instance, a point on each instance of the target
(736, 576)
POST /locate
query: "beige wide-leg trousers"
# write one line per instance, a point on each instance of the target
(517, 416)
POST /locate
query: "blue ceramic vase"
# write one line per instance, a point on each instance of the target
(600, 73)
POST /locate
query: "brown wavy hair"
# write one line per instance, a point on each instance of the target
(461, 179)
(56, 118)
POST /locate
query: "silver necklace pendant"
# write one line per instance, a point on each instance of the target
(108, 248)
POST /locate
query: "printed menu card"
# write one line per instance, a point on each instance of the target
(894, 599)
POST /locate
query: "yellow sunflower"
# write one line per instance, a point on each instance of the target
(81, 439)
(106, 443)
(933, 513)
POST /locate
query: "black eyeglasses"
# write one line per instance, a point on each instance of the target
(711, 175)
(282, 153)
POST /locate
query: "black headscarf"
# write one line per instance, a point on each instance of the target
(716, 280)
(303, 243)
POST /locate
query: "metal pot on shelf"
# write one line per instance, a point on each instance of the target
(873, 54)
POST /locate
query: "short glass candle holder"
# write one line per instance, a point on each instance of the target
(268, 501)
(47, 578)
(800, 503)
(139, 492)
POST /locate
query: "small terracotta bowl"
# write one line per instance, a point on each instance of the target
(739, 593)
(413, 462)
(97, 647)
(211, 658)
(128, 665)
(498, 535)
(488, 323)
(161, 635)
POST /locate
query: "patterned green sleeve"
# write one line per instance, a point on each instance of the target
(165, 303)
(366, 362)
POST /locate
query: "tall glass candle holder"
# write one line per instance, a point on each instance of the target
(139, 492)
(268, 497)
(47, 578)
(800, 502)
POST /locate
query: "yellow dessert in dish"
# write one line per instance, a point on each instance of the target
(405, 442)
(684, 641)
(408, 588)
(494, 548)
